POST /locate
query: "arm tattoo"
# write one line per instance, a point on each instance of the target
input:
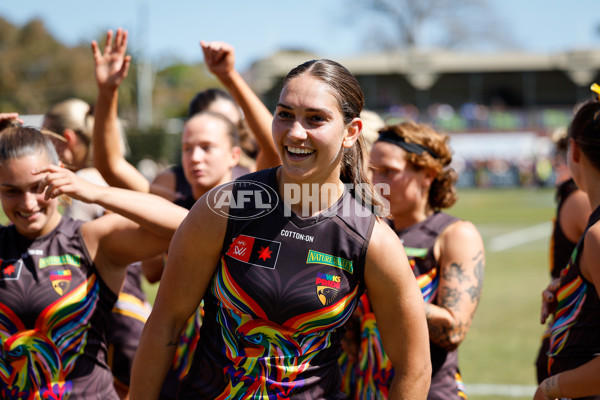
(455, 270)
(475, 290)
(172, 343)
(449, 298)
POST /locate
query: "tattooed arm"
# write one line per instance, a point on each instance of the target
(459, 251)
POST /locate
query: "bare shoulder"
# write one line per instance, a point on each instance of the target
(460, 230)
(382, 238)
(574, 214)
(589, 257)
(385, 256)
(592, 239)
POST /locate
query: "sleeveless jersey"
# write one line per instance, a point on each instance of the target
(370, 376)
(561, 249)
(575, 334)
(560, 246)
(53, 314)
(276, 307)
(183, 190)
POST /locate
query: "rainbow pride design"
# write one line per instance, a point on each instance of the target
(34, 363)
(188, 341)
(571, 297)
(269, 360)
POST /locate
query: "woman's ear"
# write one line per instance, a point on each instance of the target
(430, 175)
(236, 152)
(353, 130)
(574, 150)
(71, 137)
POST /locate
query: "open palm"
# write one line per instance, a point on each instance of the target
(113, 65)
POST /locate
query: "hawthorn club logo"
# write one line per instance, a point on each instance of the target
(328, 287)
(61, 281)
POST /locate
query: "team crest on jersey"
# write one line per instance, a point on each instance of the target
(256, 251)
(328, 287)
(10, 270)
(61, 281)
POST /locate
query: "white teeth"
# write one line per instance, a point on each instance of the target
(297, 150)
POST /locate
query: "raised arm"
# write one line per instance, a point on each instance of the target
(399, 309)
(193, 257)
(111, 69)
(141, 225)
(462, 261)
(151, 211)
(220, 60)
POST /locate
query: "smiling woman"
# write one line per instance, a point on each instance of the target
(59, 277)
(278, 288)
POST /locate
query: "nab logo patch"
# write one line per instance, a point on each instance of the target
(61, 281)
(10, 270)
(256, 251)
(328, 287)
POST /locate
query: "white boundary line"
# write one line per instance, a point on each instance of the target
(522, 236)
(505, 390)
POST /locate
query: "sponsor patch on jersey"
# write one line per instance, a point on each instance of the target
(10, 270)
(65, 259)
(61, 281)
(416, 252)
(256, 251)
(316, 257)
(328, 287)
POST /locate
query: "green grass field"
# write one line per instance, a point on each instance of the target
(501, 347)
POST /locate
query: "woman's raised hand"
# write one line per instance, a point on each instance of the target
(113, 65)
(219, 57)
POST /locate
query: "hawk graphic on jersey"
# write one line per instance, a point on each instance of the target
(34, 363)
(267, 357)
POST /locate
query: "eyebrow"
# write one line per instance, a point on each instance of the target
(10, 186)
(319, 110)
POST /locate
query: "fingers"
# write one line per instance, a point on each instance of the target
(119, 45)
(95, 50)
(121, 41)
(548, 302)
(108, 43)
(215, 52)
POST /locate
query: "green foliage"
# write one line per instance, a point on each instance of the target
(37, 71)
(154, 144)
(177, 84)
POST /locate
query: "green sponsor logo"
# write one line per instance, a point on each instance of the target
(414, 252)
(65, 259)
(315, 257)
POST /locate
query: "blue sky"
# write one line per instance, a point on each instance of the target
(258, 28)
